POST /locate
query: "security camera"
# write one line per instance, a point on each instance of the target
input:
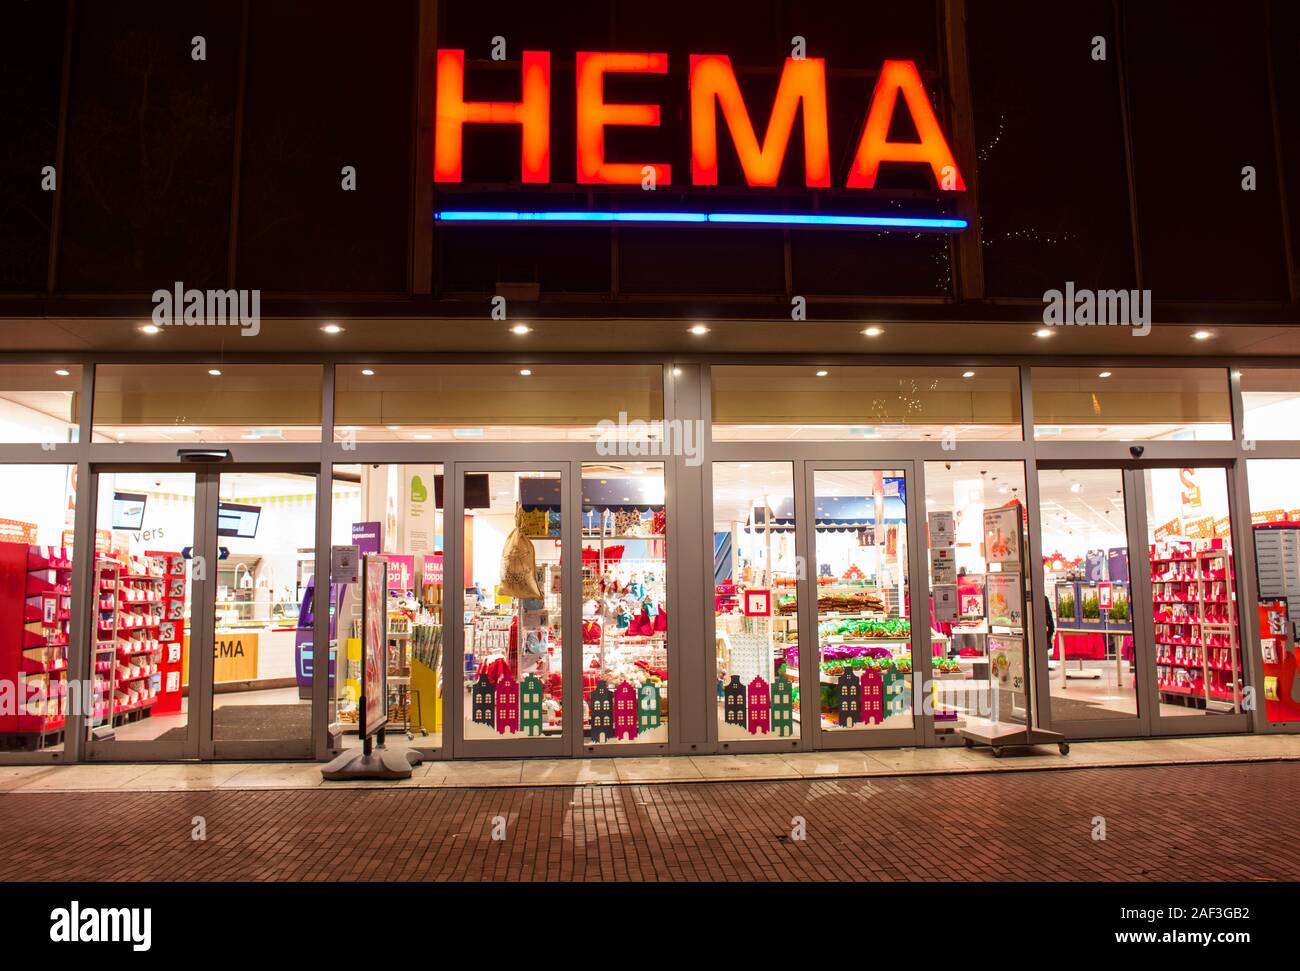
(1136, 451)
(948, 466)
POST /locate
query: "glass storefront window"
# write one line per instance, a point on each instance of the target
(1198, 651)
(40, 403)
(396, 510)
(144, 522)
(1275, 519)
(970, 605)
(514, 670)
(266, 523)
(625, 603)
(496, 403)
(807, 403)
(36, 603)
(1131, 404)
(193, 404)
(755, 600)
(1270, 399)
(1092, 669)
(864, 631)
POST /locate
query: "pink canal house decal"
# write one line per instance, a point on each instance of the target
(759, 708)
(873, 697)
(507, 706)
(625, 725)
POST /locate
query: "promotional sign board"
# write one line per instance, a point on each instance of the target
(374, 643)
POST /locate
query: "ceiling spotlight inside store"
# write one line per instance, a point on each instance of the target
(699, 330)
(677, 372)
(216, 373)
(366, 372)
(1043, 332)
(1104, 374)
(525, 373)
(822, 374)
(521, 329)
(332, 329)
(150, 329)
(1201, 335)
(968, 374)
(62, 372)
(393, 428)
(1076, 487)
(872, 332)
(424, 436)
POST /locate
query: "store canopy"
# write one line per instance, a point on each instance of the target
(834, 514)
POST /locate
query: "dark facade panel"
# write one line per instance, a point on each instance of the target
(31, 67)
(849, 263)
(329, 85)
(1199, 100)
(148, 159)
(706, 261)
(1050, 144)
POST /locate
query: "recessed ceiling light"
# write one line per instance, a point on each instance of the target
(822, 374)
(968, 374)
(1201, 335)
(1043, 332)
(521, 329)
(1076, 487)
(424, 435)
(873, 332)
(1104, 374)
(699, 329)
(367, 372)
(525, 373)
(150, 329)
(677, 372)
(332, 329)
(216, 373)
(62, 372)
(393, 428)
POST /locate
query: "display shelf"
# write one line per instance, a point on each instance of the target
(35, 611)
(1205, 637)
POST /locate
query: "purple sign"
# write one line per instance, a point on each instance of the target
(368, 537)
(1117, 564)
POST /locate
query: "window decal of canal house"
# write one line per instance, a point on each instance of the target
(850, 699)
(483, 700)
(530, 706)
(759, 707)
(507, 706)
(782, 706)
(602, 712)
(733, 702)
(648, 717)
(873, 697)
(625, 712)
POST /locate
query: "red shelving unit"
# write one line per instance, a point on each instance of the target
(1198, 658)
(35, 610)
(129, 617)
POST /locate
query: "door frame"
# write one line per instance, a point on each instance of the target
(1148, 722)
(198, 743)
(809, 670)
(571, 739)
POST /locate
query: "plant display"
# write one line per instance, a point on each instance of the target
(1119, 610)
(1091, 608)
(1065, 607)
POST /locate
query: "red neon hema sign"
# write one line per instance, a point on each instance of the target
(713, 92)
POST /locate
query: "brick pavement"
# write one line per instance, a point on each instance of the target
(1188, 822)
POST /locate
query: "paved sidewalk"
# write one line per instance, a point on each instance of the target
(1180, 822)
(638, 771)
